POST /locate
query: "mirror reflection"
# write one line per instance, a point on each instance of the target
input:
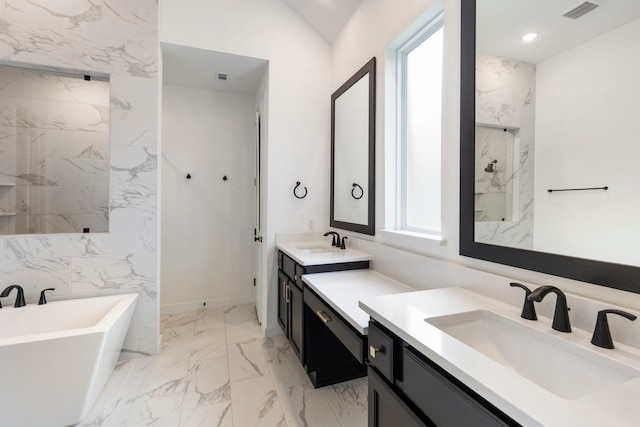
(352, 152)
(54, 152)
(558, 112)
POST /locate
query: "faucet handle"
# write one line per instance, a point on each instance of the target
(342, 245)
(528, 309)
(602, 334)
(43, 299)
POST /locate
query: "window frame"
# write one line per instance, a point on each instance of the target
(429, 29)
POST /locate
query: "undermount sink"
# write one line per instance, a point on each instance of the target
(317, 249)
(564, 369)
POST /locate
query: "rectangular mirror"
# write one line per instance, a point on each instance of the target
(548, 137)
(353, 153)
(54, 152)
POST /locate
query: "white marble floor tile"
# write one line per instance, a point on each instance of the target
(207, 383)
(116, 401)
(156, 411)
(256, 403)
(284, 365)
(359, 419)
(167, 373)
(209, 318)
(216, 415)
(305, 406)
(347, 398)
(178, 319)
(240, 314)
(209, 344)
(247, 360)
(215, 369)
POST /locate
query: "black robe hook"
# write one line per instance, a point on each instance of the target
(296, 187)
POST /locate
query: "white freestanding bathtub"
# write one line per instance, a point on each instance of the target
(56, 358)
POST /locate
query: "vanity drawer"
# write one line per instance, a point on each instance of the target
(380, 350)
(288, 267)
(443, 399)
(351, 339)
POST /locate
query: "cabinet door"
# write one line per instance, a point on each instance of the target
(296, 305)
(283, 302)
(386, 409)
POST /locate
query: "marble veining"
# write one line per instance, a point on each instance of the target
(182, 387)
(505, 97)
(119, 38)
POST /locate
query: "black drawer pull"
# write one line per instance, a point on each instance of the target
(323, 316)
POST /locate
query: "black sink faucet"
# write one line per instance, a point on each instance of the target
(561, 316)
(336, 238)
(19, 298)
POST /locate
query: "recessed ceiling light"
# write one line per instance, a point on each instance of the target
(530, 36)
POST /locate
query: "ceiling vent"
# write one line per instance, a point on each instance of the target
(222, 77)
(581, 10)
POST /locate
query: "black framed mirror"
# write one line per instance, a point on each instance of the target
(353, 110)
(570, 258)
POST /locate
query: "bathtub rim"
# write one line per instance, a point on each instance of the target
(108, 320)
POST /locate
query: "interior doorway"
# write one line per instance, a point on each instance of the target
(210, 178)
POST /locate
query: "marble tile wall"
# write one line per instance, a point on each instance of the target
(505, 96)
(118, 38)
(55, 139)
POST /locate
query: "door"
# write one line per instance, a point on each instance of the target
(257, 233)
(296, 327)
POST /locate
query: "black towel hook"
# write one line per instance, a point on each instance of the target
(188, 176)
(296, 187)
(354, 189)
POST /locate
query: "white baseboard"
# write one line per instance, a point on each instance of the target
(273, 331)
(190, 306)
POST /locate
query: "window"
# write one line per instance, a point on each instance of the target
(419, 103)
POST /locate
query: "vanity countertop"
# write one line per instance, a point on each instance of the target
(523, 400)
(342, 290)
(320, 252)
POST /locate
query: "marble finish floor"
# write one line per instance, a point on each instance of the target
(215, 369)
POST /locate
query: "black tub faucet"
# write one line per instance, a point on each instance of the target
(43, 298)
(336, 238)
(561, 316)
(19, 298)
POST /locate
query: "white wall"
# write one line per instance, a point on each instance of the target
(587, 136)
(120, 39)
(298, 106)
(376, 25)
(207, 223)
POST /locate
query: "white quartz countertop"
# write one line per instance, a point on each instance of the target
(523, 400)
(341, 290)
(320, 252)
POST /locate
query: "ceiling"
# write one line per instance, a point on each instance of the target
(502, 23)
(327, 17)
(199, 68)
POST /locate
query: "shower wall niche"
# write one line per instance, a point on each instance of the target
(495, 199)
(54, 152)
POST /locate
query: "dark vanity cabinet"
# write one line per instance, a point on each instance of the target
(291, 296)
(290, 302)
(408, 389)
